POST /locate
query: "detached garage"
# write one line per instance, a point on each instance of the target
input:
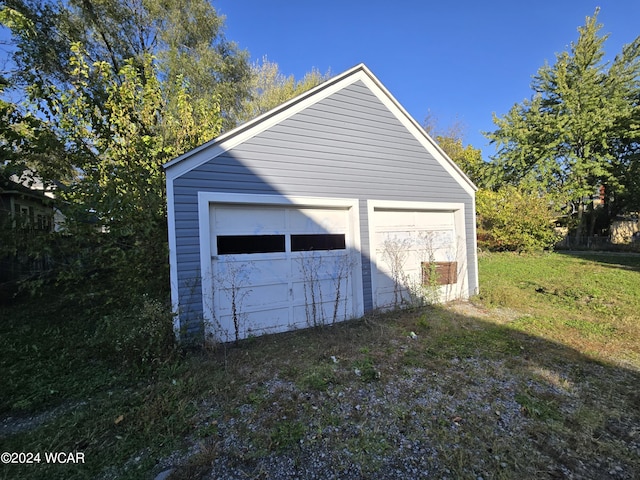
(331, 205)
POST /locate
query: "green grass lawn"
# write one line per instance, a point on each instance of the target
(537, 377)
(589, 302)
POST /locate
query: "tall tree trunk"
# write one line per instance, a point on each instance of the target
(581, 227)
(592, 220)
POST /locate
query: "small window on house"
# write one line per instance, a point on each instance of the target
(237, 244)
(326, 241)
(439, 273)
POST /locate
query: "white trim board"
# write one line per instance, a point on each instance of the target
(173, 258)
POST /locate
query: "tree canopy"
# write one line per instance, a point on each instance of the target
(112, 89)
(270, 88)
(184, 39)
(508, 217)
(451, 140)
(579, 130)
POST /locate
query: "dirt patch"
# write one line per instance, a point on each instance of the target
(499, 315)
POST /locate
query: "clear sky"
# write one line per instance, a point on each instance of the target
(457, 59)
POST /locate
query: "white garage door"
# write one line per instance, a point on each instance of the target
(416, 256)
(278, 268)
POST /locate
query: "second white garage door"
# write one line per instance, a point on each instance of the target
(278, 268)
(418, 251)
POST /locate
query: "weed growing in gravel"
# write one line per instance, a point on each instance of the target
(287, 435)
(318, 378)
(366, 369)
(537, 406)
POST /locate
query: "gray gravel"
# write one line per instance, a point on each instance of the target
(463, 422)
(381, 429)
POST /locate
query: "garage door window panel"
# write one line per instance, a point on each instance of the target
(315, 242)
(240, 244)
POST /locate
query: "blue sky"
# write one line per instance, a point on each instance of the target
(457, 59)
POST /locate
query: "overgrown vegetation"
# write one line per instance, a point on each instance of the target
(536, 377)
(102, 112)
(111, 91)
(513, 220)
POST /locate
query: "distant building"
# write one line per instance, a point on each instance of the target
(625, 230)
(28, 206)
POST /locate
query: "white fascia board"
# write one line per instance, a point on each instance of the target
(418, 132)
(205, 199)
(206, 273)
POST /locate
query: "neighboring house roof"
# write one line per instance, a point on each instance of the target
(11, 187)
(230, 139)
(29, 188)
(27, 183)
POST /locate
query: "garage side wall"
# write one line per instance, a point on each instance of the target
(348, 145)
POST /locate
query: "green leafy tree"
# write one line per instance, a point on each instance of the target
(27, 143)
(625, 76)
(185, 38)
(113, 89)
(468, 158)
(41, 37)
(511, 219)
(191, 45)
(119, 145)
(270, 88)
(563, 140)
